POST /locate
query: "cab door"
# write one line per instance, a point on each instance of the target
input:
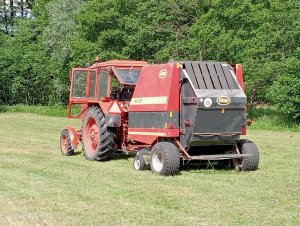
(83, 89)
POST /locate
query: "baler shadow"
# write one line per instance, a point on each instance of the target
(220, 166)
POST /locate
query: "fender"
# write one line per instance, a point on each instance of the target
(75, 136)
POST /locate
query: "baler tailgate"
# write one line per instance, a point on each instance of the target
(215, 108)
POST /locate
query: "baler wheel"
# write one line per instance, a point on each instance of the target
(139, 162)
(97, 141)
(165, 159)
(250, 162)
(65, 143)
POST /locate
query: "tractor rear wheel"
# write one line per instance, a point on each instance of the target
(165, 159)
(97, 140)
(250, 162)
(65, 143)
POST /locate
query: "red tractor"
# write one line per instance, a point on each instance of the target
(166, 113)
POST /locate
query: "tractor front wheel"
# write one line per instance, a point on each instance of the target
(65, 143)
(97, 141)
(165, 159)
(139, 162)
(249, 162)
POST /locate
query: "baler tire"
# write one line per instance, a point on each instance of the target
(169, 157)
(248, 163)
(139, 162)
(98, 143)
(65, 143)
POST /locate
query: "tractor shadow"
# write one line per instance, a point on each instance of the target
(77, 153)
(121, 156)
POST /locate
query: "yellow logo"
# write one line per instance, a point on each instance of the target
(137, 100)
(163, 73)
(222, 100)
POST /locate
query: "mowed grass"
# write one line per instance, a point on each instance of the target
(39, 186)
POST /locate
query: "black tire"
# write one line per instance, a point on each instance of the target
(65, 143)
(165, 159)
(250, 162)
(139, 162)
(101, 145)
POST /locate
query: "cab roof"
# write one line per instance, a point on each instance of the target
(120, 63)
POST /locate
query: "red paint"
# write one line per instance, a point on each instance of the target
(91, 134)
(151, 85)
(75, 136)
(120, 63)
(239, 75)
(244, 130)
(187, 123)
(64, 144)
(149, 139)
(249, 122)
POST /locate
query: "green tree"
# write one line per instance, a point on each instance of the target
(261, 35)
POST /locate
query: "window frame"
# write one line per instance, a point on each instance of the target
(87, 84)
(114, 69)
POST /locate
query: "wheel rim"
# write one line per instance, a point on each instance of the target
(137, 163)
(64, 143)
(157, 161)
(91, 135)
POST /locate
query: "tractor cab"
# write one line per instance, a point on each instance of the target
(103, 84)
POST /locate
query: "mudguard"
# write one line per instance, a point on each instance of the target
(75, 136)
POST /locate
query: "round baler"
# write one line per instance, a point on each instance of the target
(166, 113)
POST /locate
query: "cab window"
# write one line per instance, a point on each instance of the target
(103, 82)
(83, 84)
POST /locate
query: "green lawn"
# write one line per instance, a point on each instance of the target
(40, 186)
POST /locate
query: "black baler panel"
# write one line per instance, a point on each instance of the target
(190, 71)
(210, 75)
(221, 75)
(214, 76)
(199, 79)
(214, 121)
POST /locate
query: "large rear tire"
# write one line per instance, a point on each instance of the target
(97, 141)
(165, 159)
(65, 143)
(250, 162)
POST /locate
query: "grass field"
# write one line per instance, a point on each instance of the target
(39, 186)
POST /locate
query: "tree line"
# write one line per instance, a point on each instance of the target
(40, 40)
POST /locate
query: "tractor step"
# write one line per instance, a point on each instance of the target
(217, 157)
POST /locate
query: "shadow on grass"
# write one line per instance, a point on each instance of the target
(208, 167)
(120, 156)
(77, 153)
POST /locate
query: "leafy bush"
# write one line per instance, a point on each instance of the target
(285, 93)
(53, 110)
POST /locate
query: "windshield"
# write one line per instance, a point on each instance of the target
(129, 76)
